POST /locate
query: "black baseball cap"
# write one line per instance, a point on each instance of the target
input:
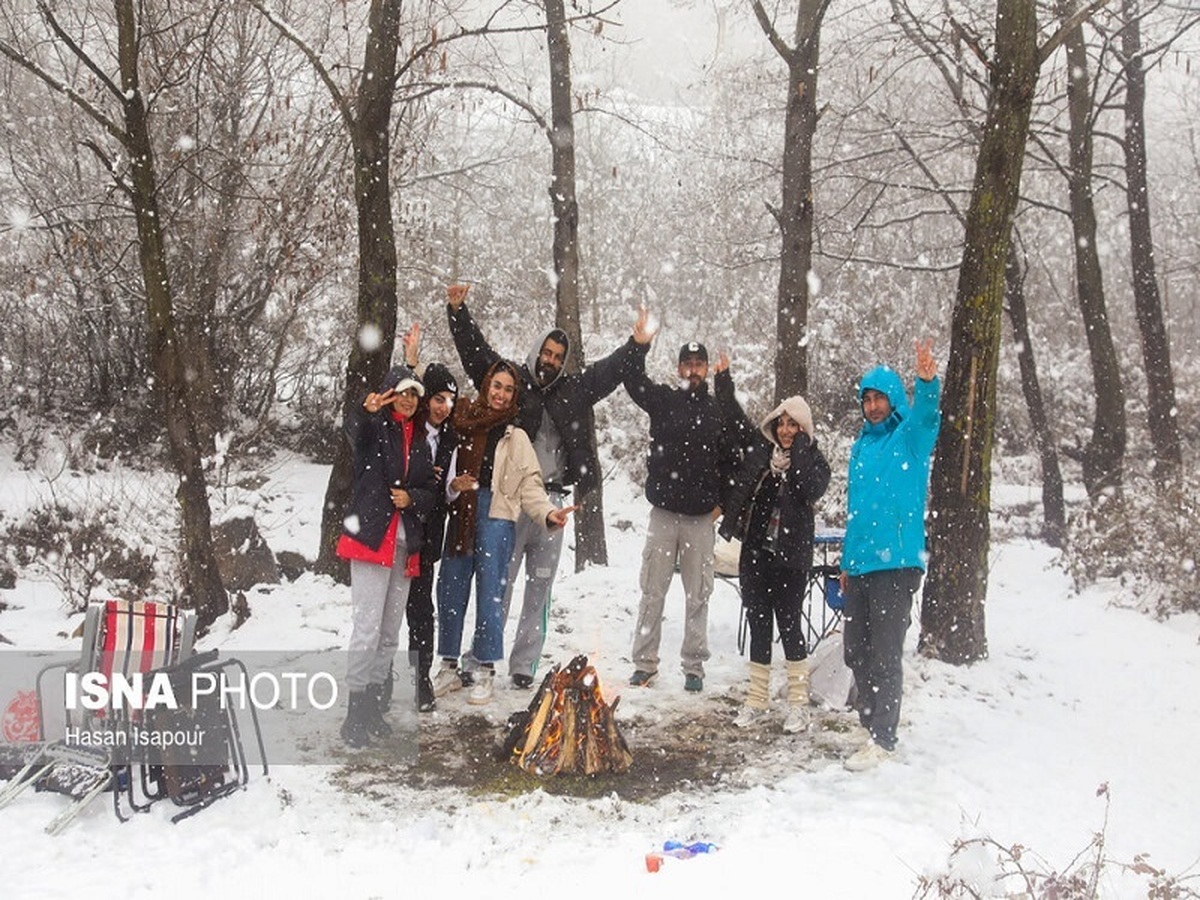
(693, 348)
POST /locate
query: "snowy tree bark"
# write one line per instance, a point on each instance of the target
(952, 613)
(794, 214)
(590, 546)
(1156, 348)
(368, 125)
(1103, 457)
(1054, 511)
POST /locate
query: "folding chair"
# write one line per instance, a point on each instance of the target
(122, 640)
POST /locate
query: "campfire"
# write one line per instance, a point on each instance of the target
(568, 727)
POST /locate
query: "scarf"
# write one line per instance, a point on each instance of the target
(472, 421)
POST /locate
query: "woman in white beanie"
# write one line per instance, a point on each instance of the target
(771, 511)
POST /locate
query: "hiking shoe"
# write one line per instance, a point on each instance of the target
(749, 717)
(642, 678)
(693, 683)
(481, 691)
(522, 681)
(868, 757)
(798, 719)
(446, 680)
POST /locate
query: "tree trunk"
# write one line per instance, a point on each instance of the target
(1054, 513)
(375, 331)
(590, 546)
(1156, 348)
(795, 212)
(952, 614)
(204, 589)
(1103, 458)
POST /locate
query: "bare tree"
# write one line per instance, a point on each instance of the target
(794, 215)
(1103, 457)
(136, 176)
(952, 613)
(1156, 349)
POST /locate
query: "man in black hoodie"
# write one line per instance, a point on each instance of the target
(555, 408)
(694, 451)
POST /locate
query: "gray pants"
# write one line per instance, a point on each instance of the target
(877, 615)
(539, 550)
(378, 595)
(687, 540)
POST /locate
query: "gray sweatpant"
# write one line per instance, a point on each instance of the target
(687, 540)
(378, 595)
(539, 550)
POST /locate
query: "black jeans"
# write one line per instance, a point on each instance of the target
(877, 615)
(419, 613)
(773, 592)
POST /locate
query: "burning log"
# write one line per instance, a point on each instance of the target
(568, 727)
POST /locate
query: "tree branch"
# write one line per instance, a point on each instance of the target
(1055, 40)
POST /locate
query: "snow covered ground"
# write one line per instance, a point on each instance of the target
(1077, 693)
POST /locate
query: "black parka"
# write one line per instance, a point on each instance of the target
(568, 399)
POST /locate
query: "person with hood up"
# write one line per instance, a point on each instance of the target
(494, 477)
(555, 409)
(883, 554)
(781, 476)
(693, 453)
(382, 535)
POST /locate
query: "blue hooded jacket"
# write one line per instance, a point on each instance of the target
(889, 478)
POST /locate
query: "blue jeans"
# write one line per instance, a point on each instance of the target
(488, 565)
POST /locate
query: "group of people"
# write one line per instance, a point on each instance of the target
(483, 484)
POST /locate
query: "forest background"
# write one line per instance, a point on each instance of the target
(218, 216)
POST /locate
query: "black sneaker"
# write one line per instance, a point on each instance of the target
(642, 678)
(522, 681)
(425, 700)
(693, 683)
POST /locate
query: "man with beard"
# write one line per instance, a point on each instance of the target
(694, 450)
(555, 411)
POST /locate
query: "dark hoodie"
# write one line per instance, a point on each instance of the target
(556, 416)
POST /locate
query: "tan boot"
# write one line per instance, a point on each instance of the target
(798, 717)
(757, 695)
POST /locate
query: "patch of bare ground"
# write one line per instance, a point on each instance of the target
(692, 752)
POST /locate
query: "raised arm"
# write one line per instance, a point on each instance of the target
(926, 418)
(473, 349)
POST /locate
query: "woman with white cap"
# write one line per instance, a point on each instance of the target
(382, 534)
(771, 510)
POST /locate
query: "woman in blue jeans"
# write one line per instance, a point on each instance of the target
(494, 476)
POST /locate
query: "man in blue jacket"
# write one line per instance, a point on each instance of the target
(883, 557)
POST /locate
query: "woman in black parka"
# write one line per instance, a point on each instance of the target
(771, 510)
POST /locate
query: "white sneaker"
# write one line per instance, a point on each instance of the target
(798, 719)
(481, 691)
(446, 680)
(867, 758)
(749, 716)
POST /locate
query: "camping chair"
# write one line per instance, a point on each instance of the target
(122, 641)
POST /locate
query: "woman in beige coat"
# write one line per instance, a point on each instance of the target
(494, 476)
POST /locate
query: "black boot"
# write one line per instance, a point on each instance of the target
(385, 692)
(425, 701)
(354, 729)
(376, 726)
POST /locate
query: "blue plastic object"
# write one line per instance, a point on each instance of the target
(833, 593)
(680, 850)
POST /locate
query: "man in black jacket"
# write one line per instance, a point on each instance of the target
(693, 453)
(554, 411)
